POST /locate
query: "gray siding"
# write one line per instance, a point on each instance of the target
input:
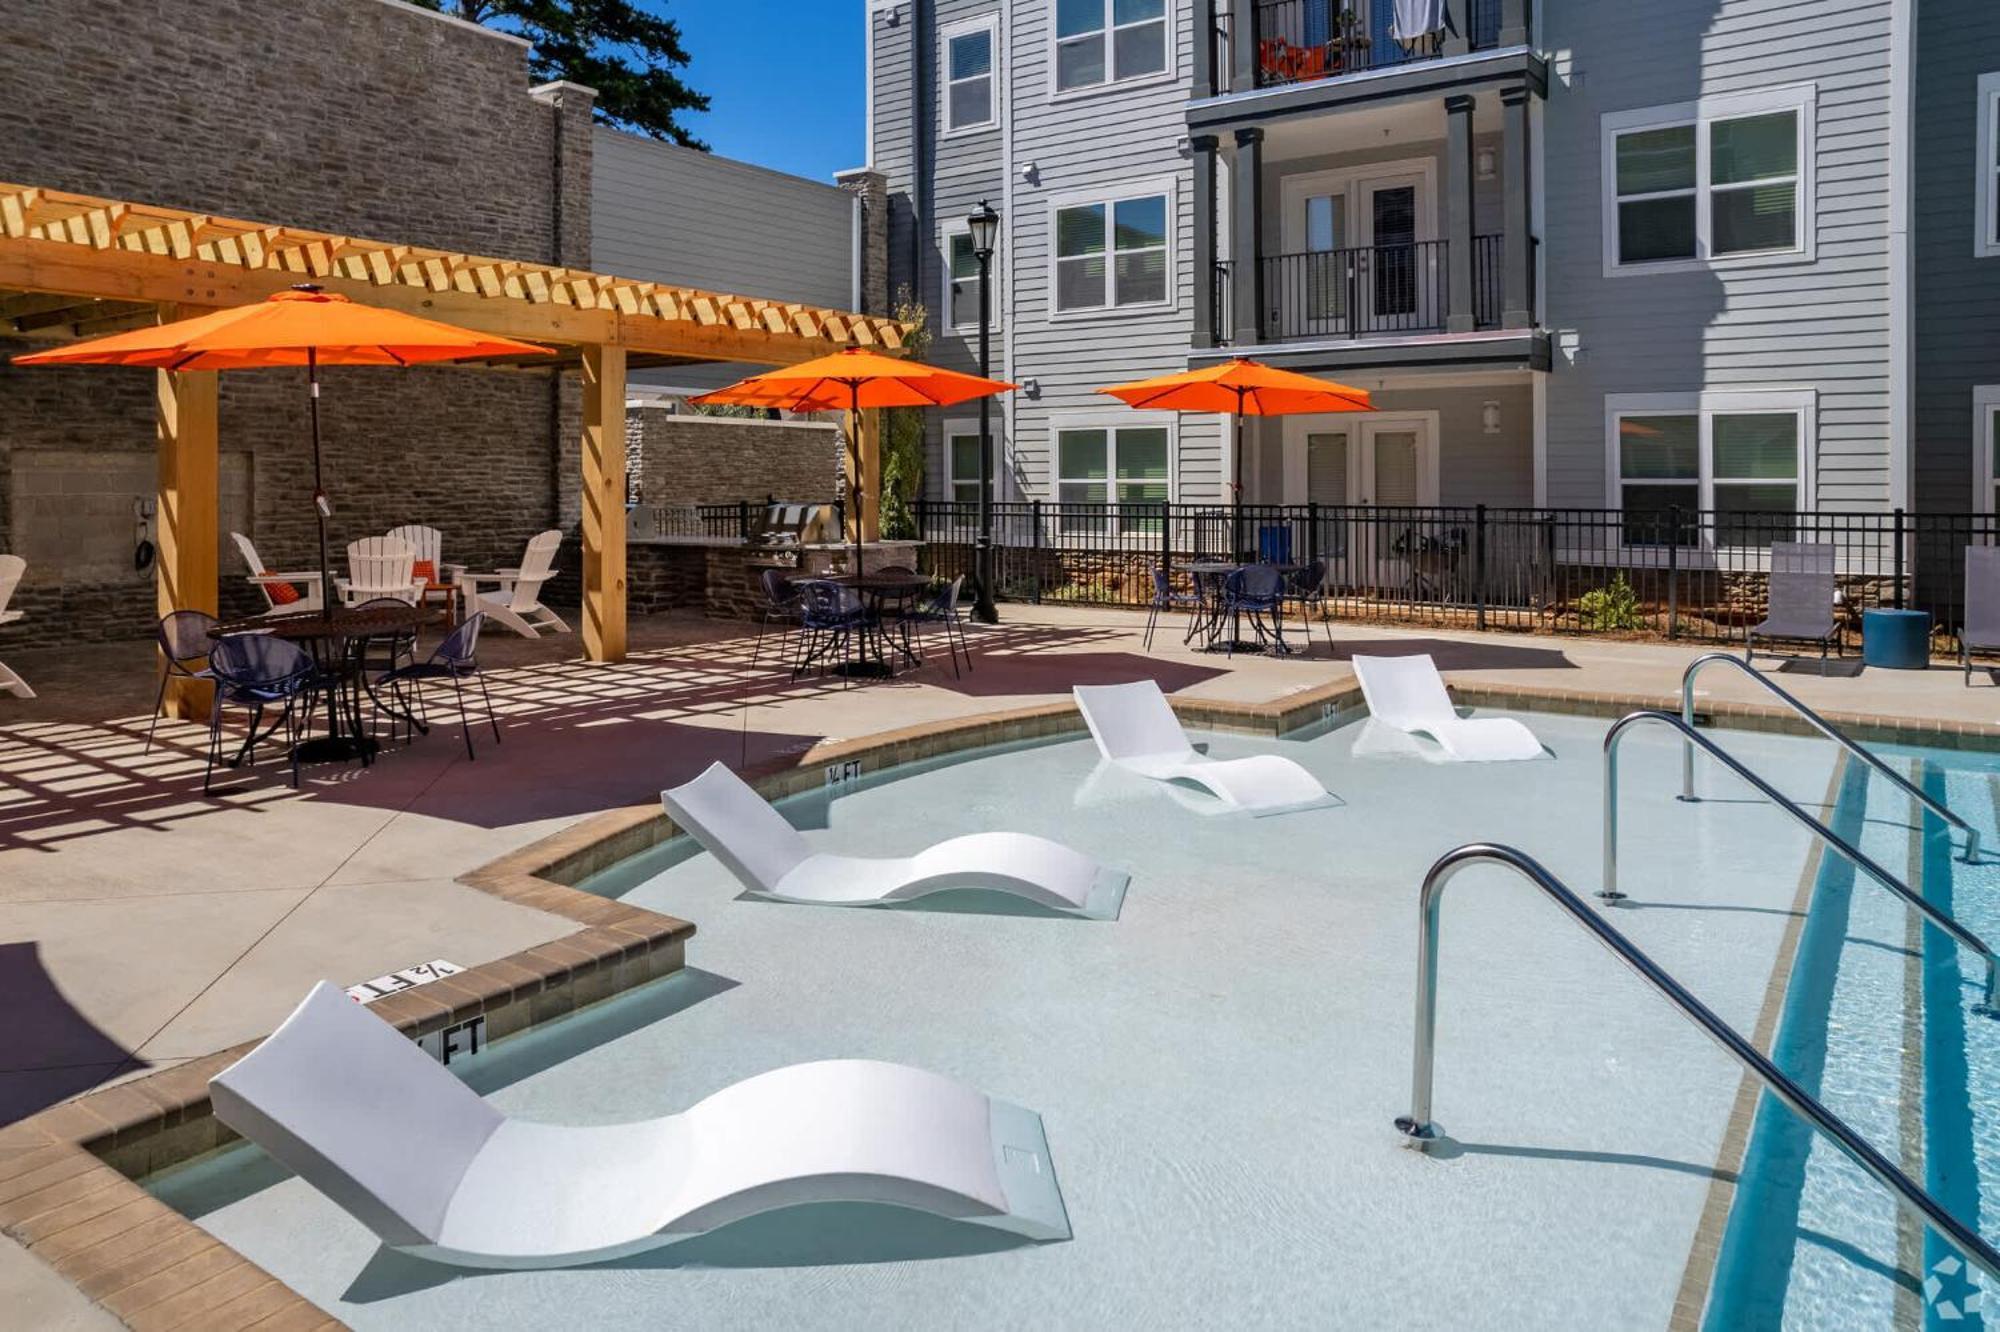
(670, 214)
(1473, 466)
(1957, 336)
(1822, 325)
(1107, 140)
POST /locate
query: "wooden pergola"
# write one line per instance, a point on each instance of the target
(76, 266)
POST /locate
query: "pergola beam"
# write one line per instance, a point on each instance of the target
(604, 503)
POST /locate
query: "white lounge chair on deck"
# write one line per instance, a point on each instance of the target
(1409, 694)
(363, 1115)
(736, 826)
(516, 600)
(1135, 728)
(289, 593)
(11, 569)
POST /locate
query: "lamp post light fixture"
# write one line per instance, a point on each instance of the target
(984, 226)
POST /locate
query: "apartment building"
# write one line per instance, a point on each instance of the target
(1583, 254)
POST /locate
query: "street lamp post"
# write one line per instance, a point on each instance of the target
(985, 228)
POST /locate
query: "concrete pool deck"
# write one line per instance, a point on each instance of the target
(146, 926)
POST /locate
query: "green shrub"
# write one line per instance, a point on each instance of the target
(1611, 608)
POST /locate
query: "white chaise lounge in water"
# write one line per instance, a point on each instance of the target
(1135, 729)
(363, 1115)
(736, 826)
(1409, 694)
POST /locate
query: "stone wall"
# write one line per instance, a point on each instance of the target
(679, 458)
(872, 189)
(721, 582)
(360, 116)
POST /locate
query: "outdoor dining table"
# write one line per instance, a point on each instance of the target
(338, 642)
(885, 594)
(1215, 615)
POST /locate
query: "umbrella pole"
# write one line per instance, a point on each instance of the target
(319, 489)
(854, 486)
(1236, 487)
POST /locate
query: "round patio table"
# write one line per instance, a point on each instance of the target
(1209, 576)
(886, 594)
(337, 641)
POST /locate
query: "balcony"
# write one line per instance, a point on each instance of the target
(1303, 41)
(1373, 291)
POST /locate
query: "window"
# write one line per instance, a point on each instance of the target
(1737, 455)
(1106, 41)
(1717, 180)
(1111, 254)
(961, 460)
(961, 283)
(1098, 465)
(1985, 448)
(1986, 170)
(969, 101)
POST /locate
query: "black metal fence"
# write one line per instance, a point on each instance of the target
(1370, 290)
(1680, 573)
(736, 520)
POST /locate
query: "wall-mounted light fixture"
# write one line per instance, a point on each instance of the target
(1484, 163)
(1489, 416)
(1030, 172)
(1031, 388)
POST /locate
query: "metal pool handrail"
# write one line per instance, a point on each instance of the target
(1418, 1127)
(1610, 893)
(1825, 728)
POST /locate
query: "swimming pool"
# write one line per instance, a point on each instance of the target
(1217, 1069)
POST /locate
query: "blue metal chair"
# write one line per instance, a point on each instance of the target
(183, 637)
(1258, 591)
(455, 660)
(256, 671)
(832, 618)
(941, 608)
(1166, 599)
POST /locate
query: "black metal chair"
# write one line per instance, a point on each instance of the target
(258, 672)
(941, 608)
(781, 605)
(1166, 599)
(833, 619)
(455, 660)
(1306, 589)
(1258, 591)
(183, 637)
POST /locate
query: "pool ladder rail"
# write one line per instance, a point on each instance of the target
(1825, 728)
(1419, 1130)
(1989, 1005)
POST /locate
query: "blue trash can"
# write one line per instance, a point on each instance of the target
(1898, 640)
(1274, 544)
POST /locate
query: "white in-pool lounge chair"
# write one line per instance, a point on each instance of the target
(1135, 729)
(1408, 694)
(736, 826)
(368, 1119)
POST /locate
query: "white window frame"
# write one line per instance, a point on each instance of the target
(951, 230)
(1804, 403)
(1112, 422)
(1985, 175)
(990, 24)
(1985, 401)
(1169, 186)
(1170, 17)
(1801, 98)
(957, 430)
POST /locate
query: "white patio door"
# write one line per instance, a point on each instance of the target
(1354, 237)
(1396, 469)
(1357, 463)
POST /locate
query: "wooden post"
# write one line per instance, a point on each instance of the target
(187, 522)
(865, 451)
(603, 502)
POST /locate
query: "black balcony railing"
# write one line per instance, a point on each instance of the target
(1369, 291)
(1698, 575)
(1298, 41)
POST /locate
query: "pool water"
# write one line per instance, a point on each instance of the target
(1217, 1069)
(1879, 1022)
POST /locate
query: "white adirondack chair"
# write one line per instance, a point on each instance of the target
(309, 593)
(11, 569)
(516, 600)
(380, 567)
(429, 545)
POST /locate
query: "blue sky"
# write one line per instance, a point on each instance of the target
(785, 78)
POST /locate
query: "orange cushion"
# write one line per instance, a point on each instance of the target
(425, 571)
(282, 594)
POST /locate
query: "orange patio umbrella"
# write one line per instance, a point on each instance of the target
(302, 326)
(1241, 388)
(853, 380)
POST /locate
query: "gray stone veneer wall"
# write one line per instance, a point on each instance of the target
(686, 459)
(360, 116)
